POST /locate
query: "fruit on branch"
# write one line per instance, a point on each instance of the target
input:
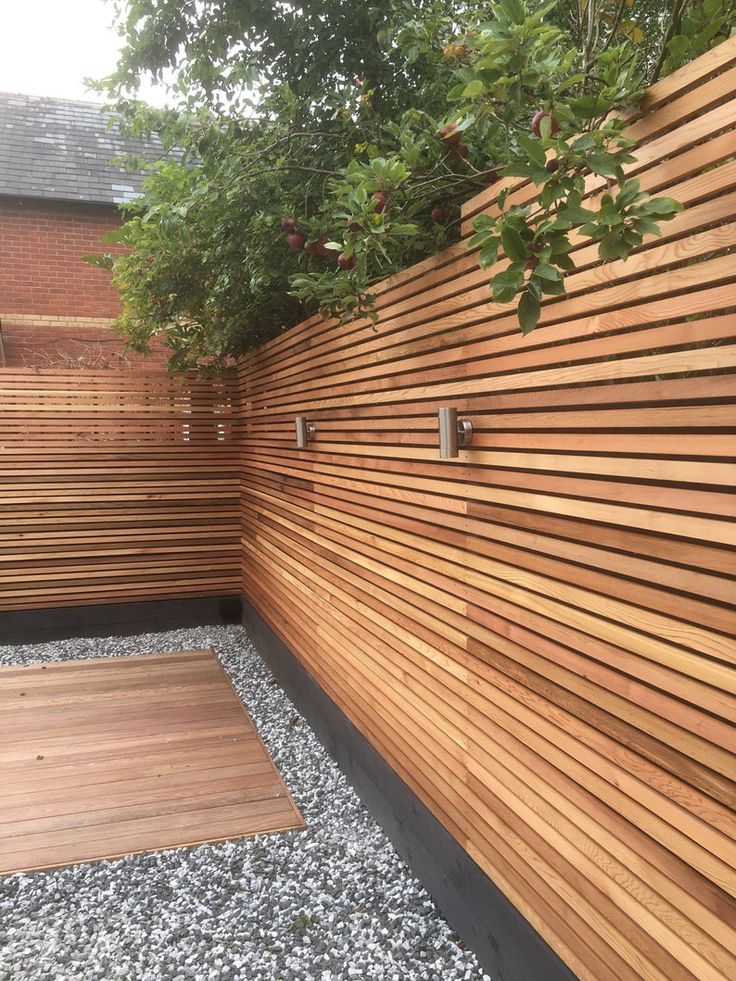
(288, 225)
(322, 249)
(295, 241)
(460, 150)
(354, 226)
(318, 248)
(346, 262)
(450, 135)
(553, 165)
(453, 51)
(381, 200)
(440, 214)
(536, 125)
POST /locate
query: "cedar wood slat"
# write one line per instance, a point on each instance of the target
(136, 471)
(539, 635)
(99, 801)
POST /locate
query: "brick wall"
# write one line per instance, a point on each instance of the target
(55, 308)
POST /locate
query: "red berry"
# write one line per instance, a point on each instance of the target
(536, 125)
(295, 241)
(346, 262)
(288, 225)
(449, 134)
(324, 252)
(381, 201)
(440, 214)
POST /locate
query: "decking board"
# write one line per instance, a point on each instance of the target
(113, 756)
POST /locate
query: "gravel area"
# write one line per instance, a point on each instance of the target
(332, 902)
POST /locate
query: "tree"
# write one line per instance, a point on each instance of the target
(329, 145)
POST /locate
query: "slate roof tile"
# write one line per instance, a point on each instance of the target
(63, 150)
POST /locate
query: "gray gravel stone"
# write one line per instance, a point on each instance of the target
(331, 903)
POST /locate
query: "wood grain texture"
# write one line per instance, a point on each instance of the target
(116, 486)
(540, 635)
(112, 756)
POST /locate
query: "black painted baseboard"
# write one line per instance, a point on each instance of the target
(38, 626)
(506, 944)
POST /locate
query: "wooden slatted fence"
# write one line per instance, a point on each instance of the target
(539, 635)
(116, 486)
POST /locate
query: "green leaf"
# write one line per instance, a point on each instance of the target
(514, 10)
(547, 272)
(483, 223)
(628, 192)
(565, 262)
(105, 261)
(528, 312)
(556, 288)
(533, 149)
(572, 80)
(612, 246)
(513, 244)
(588, 107)
(647, 227)
(488, 254)
(473, 89)
(678, 46)
(604, 164)
(478, 239)
(456, 93)
(503, 294)
(661, 206)
(121, 234)
(518, 170)
(575, 214)
(506, 285)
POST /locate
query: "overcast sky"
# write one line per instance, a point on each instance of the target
(48, 47)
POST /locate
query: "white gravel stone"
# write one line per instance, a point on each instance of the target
(331, 903)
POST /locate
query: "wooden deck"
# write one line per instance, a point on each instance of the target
(113, 756)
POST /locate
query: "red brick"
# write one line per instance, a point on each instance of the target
(43, 274)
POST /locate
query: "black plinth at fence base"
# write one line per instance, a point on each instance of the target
(37, 626)
(506, 944)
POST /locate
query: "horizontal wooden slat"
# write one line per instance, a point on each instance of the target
(137, 472)
(539, 635)
(104, 770)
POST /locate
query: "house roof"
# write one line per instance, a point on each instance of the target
(62, 150)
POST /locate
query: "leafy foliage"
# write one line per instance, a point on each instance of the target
(329, 145)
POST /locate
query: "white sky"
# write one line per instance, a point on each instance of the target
(48, 47)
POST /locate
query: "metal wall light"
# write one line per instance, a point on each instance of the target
(454, 432)
(304, 432)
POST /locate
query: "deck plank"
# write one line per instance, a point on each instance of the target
(113, 756)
